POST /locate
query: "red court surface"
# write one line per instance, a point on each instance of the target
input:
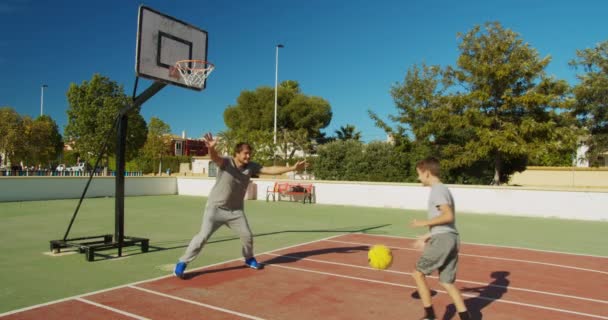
(330, 279)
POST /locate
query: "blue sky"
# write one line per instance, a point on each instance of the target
(348, 52)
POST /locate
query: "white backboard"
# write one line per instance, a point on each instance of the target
(162, 41)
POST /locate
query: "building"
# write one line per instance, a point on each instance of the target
(188, 147)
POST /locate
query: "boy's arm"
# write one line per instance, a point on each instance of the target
(446, 216)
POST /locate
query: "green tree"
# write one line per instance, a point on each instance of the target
(42, 143)
(92, 113)
(157, 143)
(348, 132)
(340, 160)
(351, 160)
(591, 93)
(495, 109)
(512, 108)
(260, 140)
(11, 130)
(252, 120)
(255, 111)
(385, 162)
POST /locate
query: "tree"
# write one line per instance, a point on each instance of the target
(92, 113)
(42, 143)
(591, 93)
(495, 109)
(351, 160)
(255, 111)
(513, 108)
(11, 129)
(252, 120)
(348, 132)
(295, 140)
(157, 144)
(340, 160)
(260, 141)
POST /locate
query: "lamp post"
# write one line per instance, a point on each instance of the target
(276, 83)
(42, 98)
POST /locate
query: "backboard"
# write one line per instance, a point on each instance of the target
(162, 41)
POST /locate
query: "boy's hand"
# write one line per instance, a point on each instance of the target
(417, 224)
(421, 242)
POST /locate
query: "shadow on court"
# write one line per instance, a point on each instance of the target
(193, 274)
(181, 244)
(295, 256)
(487, 294)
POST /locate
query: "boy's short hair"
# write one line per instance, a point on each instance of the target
(241, 146)
(430, 164)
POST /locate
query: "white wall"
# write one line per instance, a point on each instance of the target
(44, 188)
(581, 205)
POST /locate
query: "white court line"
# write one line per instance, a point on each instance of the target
(488, 245)
(488, 257)
(128, 314)
(435, 277)
(441, 291)
(150, 280)
(200, 304)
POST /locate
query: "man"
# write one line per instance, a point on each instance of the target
(226, 201)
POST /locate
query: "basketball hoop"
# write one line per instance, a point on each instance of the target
(194, 72)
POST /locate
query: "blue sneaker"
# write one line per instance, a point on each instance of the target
(180, 267)
(253, 264)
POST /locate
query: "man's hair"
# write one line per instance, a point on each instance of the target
(241, 146)
(430, 164)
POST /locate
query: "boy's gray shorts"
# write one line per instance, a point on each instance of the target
(441, 253)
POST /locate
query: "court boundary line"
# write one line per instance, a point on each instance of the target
(490, 257)
(133, 284)
(444, 292)
(119, 311)
(492, 245)
(200, 304)
(435, 277)
(44, 304)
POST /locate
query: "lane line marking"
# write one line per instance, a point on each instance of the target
(488, 245)
(435, 277)
(441, 291)
(488, 257)
(152, 280)
(125, 313)
(200, 304)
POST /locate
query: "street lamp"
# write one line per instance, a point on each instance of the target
(276, 83)
(42, 98)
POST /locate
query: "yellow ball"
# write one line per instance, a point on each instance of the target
(380, 257)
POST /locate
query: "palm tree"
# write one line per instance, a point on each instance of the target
(348, 133)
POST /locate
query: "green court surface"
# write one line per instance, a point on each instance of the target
(31, 275)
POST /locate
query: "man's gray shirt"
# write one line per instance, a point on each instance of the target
(231, 184)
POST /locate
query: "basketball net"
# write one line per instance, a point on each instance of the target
(194, 72)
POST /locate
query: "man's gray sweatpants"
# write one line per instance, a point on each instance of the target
(213, 218)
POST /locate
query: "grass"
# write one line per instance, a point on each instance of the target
(29, 276)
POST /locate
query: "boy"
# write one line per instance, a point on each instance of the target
(440, 244)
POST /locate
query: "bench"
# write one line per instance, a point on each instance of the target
(295, 191)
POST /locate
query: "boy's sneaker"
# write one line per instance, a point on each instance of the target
(253, 264)
(180, 267)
